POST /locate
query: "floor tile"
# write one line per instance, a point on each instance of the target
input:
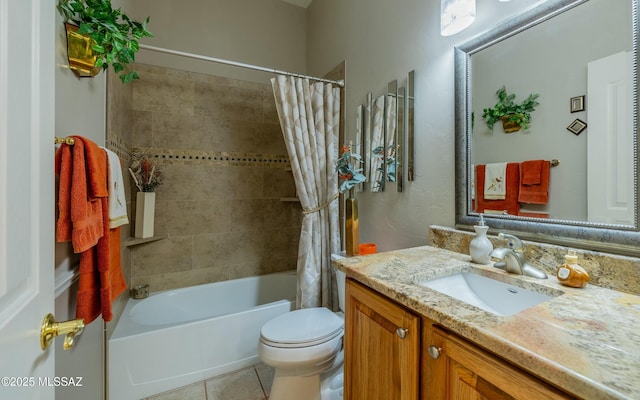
(195, 391)
(239, 385)
(265, 374)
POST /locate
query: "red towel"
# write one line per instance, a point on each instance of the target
(510, 203)
(83, 181)
(84, 220)
(532, 214)
(531, 172)
(530, 192)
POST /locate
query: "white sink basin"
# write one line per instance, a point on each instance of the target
(488, 294)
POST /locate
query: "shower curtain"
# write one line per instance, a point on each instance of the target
(309, 115)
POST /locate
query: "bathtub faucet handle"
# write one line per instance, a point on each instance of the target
(140, 291)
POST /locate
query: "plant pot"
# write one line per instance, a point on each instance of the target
(80, 54)
(509, 126)
(145, 214)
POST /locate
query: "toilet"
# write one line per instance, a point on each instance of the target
(305, 349)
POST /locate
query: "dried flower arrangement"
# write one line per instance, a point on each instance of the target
(348, 174)
(145, 175)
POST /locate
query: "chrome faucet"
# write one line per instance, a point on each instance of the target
(512, 258)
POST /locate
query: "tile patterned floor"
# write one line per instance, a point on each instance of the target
(252, 383)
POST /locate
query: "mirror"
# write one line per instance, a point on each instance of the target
(400, 140)
(487, 62)
(410, 131)
(390, 132)
(377, 144)
(360, 140)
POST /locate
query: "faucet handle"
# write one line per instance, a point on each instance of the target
(514, 242)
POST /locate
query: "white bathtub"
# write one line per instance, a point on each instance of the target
(178, 337)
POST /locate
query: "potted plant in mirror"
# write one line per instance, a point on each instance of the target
(513, 116)
(99, 36)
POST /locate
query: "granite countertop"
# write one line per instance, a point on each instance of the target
(586, 341)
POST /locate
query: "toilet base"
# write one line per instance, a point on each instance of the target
(324, 386)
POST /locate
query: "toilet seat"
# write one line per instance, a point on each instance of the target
(302, 328)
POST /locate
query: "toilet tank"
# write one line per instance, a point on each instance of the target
(341, 278)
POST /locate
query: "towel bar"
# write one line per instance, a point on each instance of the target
(68, 140)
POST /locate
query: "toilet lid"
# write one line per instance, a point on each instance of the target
(303, 327)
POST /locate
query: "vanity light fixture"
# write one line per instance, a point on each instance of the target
(456, 15)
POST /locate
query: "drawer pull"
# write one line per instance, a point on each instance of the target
(434, 351)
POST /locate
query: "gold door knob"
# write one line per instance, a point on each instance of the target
(50, 329)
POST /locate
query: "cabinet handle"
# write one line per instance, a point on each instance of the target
(402, 332)
(434, 351)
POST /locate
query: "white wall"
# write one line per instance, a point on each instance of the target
(381, 41)
(79, 110)
(268, 33)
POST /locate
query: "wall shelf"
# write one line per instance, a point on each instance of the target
(134, 241)
(290, 199)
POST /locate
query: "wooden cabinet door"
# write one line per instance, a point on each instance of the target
(468, 373)
(382, 347)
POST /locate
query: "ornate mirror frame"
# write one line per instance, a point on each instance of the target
(619, 239)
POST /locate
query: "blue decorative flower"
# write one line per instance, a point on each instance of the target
(348, 174)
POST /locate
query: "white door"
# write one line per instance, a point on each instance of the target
(26, 195)
(610, 189)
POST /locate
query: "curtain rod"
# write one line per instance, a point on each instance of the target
(339, 83)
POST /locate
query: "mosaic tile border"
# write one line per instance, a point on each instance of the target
(221, 158)
(117, 145)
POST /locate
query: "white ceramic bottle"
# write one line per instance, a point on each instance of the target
(480, 246)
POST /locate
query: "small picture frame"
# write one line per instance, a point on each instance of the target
(577, 126)
(577, 103)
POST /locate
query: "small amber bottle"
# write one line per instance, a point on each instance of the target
(570, 273)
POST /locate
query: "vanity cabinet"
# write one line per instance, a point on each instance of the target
(461, 370)
(393, 353)
(382, 347)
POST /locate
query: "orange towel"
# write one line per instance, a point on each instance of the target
(83, 181)
(531, 172)
(84, 219)
(534, 193)
(510, 203)
(531, 214)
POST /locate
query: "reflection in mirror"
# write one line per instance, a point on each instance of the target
(410, 131)
(400, 140)
(552, 50)
(359, 145)
(391, 129)
(377, 144)
(565, 73)
(366, 148)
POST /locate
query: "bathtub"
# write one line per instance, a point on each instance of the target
(177, 337)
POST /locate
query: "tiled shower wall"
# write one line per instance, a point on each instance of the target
(118, 137)
(219, 145)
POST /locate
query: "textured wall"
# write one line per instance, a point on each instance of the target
(219, 145)
(269, 33)
(381, 41)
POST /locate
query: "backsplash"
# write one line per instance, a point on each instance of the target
(606, 270)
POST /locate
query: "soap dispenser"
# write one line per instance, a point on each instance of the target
(480, 246)
(570, 273)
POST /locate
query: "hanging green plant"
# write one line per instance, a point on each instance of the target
(116, 35)
(506, 110)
